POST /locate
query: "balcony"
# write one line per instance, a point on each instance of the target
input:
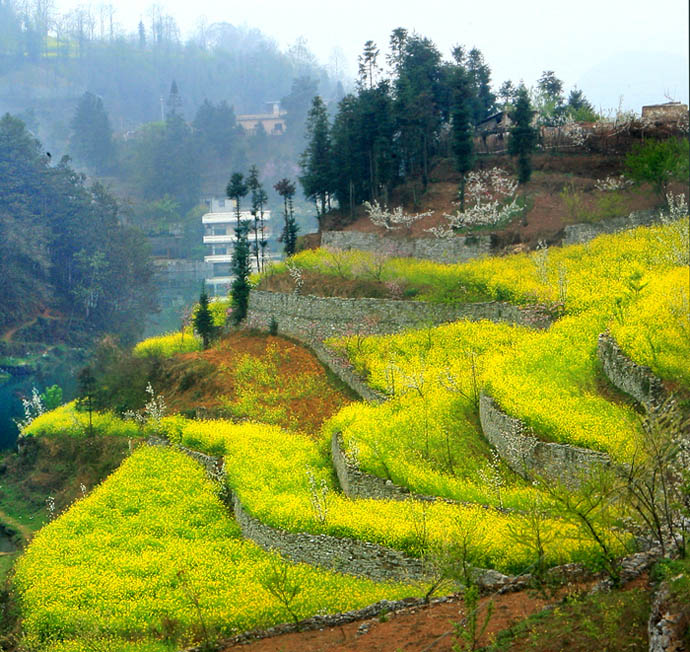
(230, 218)
(218, 258)
(219, 239)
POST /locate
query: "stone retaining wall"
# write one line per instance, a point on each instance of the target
(667, 622)
(581, 233)
(342, 555)
(320, 317)
(526, 455)
(334, 553)
(343, 370)
(358, 484)
(456, 249)
(636, 380)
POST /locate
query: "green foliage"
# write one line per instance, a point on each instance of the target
(603, 621)
(462, 135)
(52, 397)
(315, 161)
(47, 215)
(203, 319)
(92, 137)
(286, 189)
(574, 203)
(165, 161)
(523, 136)
(579, 108)
(241, 269)
(658, 162)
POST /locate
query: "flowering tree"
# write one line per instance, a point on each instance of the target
(492, 200)
(392, 220)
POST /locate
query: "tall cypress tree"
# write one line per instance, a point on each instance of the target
(462, 134)
(241, 264)
(315, 161)
(286, 189)
(523, 136)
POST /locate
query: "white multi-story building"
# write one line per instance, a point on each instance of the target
(219, 235)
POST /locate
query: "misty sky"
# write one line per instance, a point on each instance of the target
(631, 48)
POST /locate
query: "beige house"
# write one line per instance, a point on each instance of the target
(273, 122)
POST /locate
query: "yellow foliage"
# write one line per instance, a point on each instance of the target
(67, 420)
(135, 555)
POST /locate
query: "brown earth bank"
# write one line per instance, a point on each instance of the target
(255, 376)
(432, 627)
(561, 191)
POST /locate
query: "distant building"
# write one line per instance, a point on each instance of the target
(664, 113)
(273, 122)
(219, 235)
(496, 123)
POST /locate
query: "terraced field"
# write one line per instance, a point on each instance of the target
(157, 527)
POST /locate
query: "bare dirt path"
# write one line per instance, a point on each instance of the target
(45, 313)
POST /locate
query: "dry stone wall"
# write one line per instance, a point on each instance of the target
(358, 484)
(526, 454)
(635, 380)
(342, 555)
(343, 370)
(456, 249)
(581, 233)
(334, 553)
(318, 318)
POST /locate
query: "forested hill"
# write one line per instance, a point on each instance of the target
(48, 62)
(63, 249)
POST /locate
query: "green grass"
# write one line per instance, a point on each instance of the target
(609, 622)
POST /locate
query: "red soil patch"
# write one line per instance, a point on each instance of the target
(272, 375)
(427, 628)
(412, 629)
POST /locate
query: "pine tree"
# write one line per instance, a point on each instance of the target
(241, 266)
(203, 320)
(316, 160)
(523, 136)
(259, 198)
(92, 137)
(462, 135)
(286, 189)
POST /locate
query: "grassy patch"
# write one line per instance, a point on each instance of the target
(611, 622)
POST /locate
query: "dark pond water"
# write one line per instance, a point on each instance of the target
(62, 373)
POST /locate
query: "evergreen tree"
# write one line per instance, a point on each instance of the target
(316, 160)
(286, 189)
(348, 160)
(523, 136)
(174, 103)
(480, 75)
(92, 137)
(368, 67)
(216, 128)
(418, 101)
(86, 391)
(236, 189)
(241, 263)
(550, 104)
(203, 320)
(259, 198)
(375, 151)
(579, 107)
(462, 134)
